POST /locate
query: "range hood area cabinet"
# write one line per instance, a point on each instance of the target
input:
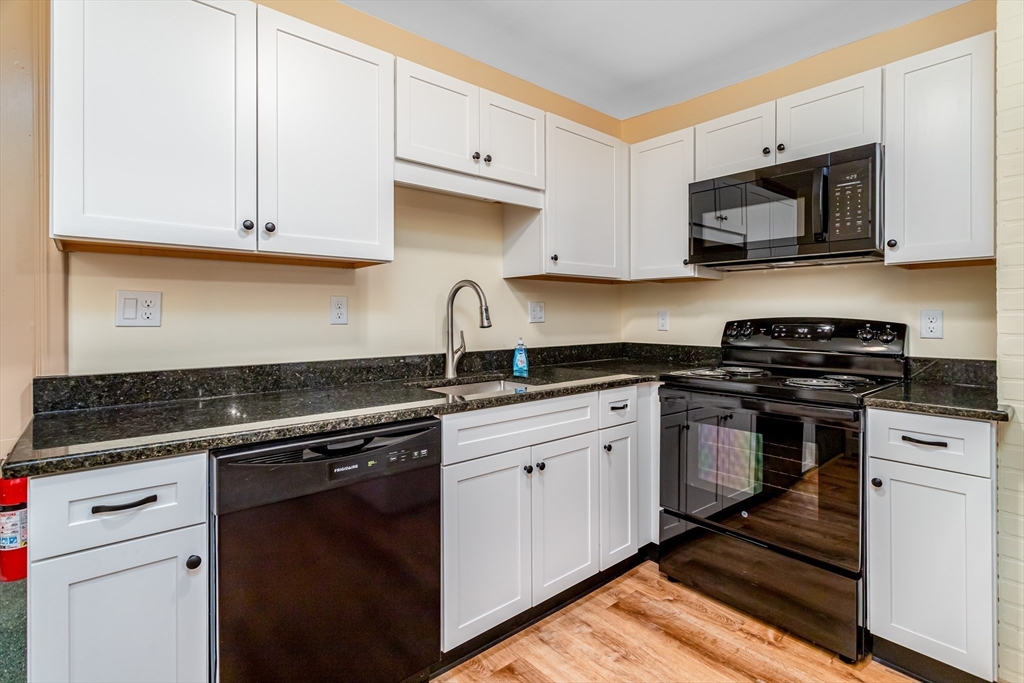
(940, 154)
(583, 230)
(446, 123)
(162, 112)
(834, 116)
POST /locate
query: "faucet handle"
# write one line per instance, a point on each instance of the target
(462, 343)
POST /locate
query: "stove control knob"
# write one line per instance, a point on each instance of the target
(732, 330)
(748, 329)
(887, 336)
(865, 334)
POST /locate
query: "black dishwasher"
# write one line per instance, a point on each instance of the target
(328, 557)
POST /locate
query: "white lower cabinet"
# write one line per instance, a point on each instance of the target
(131, 612)
(486, 544)
(522, 526)
(931, 574)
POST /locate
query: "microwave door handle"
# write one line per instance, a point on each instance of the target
(819, 222)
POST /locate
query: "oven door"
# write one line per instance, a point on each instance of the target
(783, 475)
(758, 218)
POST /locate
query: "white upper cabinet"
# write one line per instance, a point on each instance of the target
(437, 119)
(153, 122)
(939, 154)
(444, 122)
(741, 141)
(326, 142)
(660, 171)
(511, 141)
(586, 203)
(838, 115)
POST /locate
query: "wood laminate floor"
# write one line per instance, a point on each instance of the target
(641, 627)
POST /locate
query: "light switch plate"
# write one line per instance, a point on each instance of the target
(662, 321)
(931, 324)
(339, 310)
(138, 309)
(536, 311)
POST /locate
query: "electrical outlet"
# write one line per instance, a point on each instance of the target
(137, 309)
(536, 311)
(931, 324)
(662, 321)
(339, 310)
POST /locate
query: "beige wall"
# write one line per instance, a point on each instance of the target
(698, 310)
(1010, 324)
(222, 313)
(934, 31)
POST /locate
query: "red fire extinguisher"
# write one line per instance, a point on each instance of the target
(13, 529)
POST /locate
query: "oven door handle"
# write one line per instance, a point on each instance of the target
(777, 408)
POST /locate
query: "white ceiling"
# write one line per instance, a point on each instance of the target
(629, 57)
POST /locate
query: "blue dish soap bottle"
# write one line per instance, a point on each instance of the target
(520, 363)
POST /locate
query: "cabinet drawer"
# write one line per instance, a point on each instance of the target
(72, 512)
(618, 406)
(941, 443)
(483, 432)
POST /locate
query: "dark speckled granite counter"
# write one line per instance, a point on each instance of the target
(951, 400)
(69, 440)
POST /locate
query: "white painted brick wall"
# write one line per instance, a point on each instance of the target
(1010, 327)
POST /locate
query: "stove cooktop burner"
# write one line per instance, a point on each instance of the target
(849, 379)
(743, 371)
(704, 372)
(815, 383)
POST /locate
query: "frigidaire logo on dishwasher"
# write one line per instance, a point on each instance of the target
(346, 468)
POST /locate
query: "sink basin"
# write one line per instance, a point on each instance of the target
(489, 387)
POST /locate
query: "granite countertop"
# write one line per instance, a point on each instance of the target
(952, 400)
(69, 440)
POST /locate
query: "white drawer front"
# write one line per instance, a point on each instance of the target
(495, 430)
(942, 443)
(61, 514)
(618, 406)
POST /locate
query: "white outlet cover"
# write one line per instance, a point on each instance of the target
(662, 321)
(339, 310)
(931, 324)
(536, 311)
(138, 309)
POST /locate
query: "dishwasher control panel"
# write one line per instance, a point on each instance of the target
(356, 467)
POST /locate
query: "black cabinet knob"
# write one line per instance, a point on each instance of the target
(476, 156)
(270, 227)
(193, 562)
(686, 261)
(608, 447)
(781, 147)
(891, 244)
(487, 159)
(766, 151)
(554, 257)
(541, 466)
(876, 482)
(528, 469)
(248, 225)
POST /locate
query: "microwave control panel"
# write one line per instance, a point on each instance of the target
(850, 202)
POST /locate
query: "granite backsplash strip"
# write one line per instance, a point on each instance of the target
(76, 392)
(979, 373)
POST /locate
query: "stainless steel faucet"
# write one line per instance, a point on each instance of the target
(451, 354)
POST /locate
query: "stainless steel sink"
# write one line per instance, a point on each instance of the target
(489, 387)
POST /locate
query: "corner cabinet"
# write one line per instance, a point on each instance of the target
(660, 171)
(154, 131)
(940, 154)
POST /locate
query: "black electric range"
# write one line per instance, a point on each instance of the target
(761, 466)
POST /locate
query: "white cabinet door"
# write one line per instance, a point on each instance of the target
(511, 141)
(586, 213)
(437, 119)
(153, 122)
(326, 142)
(618, 494)
(486, 544)
(838, 115)
(660, 172)
(940, 153)
(126, 612)
(930, 556)
(565, 514)
(741, 141)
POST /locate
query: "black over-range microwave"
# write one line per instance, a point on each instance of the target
(826, 208)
